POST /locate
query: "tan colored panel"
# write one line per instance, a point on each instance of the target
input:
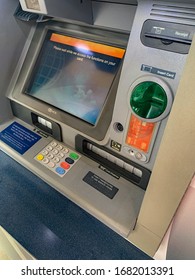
(175, 163)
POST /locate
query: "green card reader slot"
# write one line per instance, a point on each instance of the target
(148, 100)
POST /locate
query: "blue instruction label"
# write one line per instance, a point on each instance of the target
(19, 137)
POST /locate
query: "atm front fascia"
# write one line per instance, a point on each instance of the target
(98, 146)
(65, 87)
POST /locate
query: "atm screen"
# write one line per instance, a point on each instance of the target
(74, 75)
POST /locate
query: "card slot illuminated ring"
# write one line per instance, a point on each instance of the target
(150, 99)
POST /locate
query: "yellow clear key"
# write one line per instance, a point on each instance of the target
(40, 157)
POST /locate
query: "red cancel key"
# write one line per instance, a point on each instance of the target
(65, 165)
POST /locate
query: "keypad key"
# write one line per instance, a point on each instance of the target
(54, 144)
(45, 160)
(74, 156)
(49, 148)
(56, 159)
(69, 160)
(65, 165)
(60, 170)
(40, 157)
(59, 147)
(55, 152)
(61, 155)
(50, 156)
(51, 164)
(65, 150)
(45, 152)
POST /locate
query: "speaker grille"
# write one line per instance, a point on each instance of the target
(181, 12)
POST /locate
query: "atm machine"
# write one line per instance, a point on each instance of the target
(89, 102)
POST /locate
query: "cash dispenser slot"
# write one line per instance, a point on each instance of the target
(112, 163)
(167, 36)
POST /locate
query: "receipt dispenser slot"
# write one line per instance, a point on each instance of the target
(167, 36)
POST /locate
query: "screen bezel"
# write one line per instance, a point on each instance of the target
(69, 44)
(112, 38)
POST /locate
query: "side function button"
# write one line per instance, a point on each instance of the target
(128, 167)
(137, 172)
(119, 162)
